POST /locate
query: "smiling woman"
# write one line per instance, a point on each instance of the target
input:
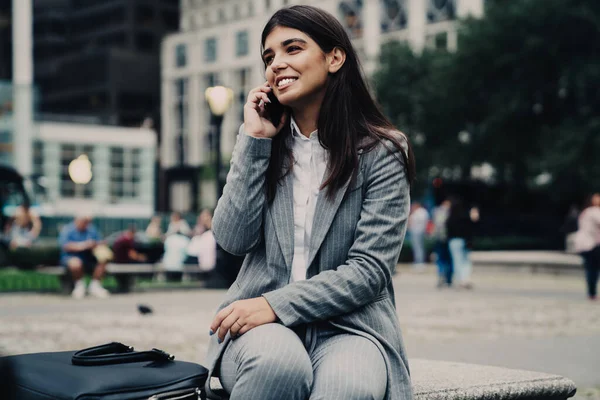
(317, 201)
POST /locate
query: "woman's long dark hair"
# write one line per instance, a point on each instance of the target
(348, 115)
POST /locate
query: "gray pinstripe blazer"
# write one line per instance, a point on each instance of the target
(355, 243)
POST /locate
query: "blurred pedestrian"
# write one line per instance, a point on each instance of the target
(203, 245)
(570, 227)
(124, 248)
(203, 222)
(179, 225)
(25, 227)
(460, 231)
(175, 254)
(154, 230)
(587, 243)
(77, 242)
(417, 225)
(442, 251)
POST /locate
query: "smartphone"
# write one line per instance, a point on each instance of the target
(274, 109)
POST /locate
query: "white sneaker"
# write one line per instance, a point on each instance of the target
(96, 290)
(79, 290)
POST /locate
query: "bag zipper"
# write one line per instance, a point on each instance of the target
(181, 394)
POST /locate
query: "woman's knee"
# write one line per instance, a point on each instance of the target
(350, 369)
(274, 353)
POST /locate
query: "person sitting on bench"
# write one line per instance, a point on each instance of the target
(124, 248)
(77, 241)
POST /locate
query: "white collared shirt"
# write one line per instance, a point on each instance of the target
(310, 163)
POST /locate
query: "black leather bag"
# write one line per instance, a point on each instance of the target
(111, 371)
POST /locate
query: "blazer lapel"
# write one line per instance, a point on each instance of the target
(282, 214)
(324, 213)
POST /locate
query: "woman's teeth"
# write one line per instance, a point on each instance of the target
(285, 81)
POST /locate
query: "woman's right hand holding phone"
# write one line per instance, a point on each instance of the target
(256, 118)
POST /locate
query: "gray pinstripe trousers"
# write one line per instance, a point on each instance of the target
(272, 362)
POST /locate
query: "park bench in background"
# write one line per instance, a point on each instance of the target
(124, 274)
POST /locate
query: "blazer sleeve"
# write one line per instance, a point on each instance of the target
(367, 271)
(237, 220)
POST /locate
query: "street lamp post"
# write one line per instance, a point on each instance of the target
(219, 99)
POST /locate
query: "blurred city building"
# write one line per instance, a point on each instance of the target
(122, 165)
(100, 58)
(79, 70)
(219, 43)
(5, 40)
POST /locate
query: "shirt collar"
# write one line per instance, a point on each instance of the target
(297, 133)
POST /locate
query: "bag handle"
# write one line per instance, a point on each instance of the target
(116, 353)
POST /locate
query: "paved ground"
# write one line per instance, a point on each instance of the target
(512, 319)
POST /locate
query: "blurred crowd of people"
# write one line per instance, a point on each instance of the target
(452, 228)
(84, 252)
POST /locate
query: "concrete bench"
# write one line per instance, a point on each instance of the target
(441, 380)
(124, 274)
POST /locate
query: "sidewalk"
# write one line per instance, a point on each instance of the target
(511, 319)
(534, 260)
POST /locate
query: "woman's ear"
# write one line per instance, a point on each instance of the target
(335, 59)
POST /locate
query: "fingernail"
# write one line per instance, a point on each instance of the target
(268, 100)
(219, 340)
(211, 332)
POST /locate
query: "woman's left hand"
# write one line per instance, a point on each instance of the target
(241, 316)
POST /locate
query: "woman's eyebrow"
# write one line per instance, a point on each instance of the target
(285, 43)
(290, 41)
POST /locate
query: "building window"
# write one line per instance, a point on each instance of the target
(250, 9)
(441, 41)
(180, 55)
(6, 147)
(211, 79)
(124, 173)
(393, 15)
(181, 117)
(38, 158)
(268, 4)
(236, 12)
(210, 50)
(241, 43)
(351, 17)
(68, 188)
(441, 10)
(222, 15)
(145, 42)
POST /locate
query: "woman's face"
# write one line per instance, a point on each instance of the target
(296, 67)
(596, 200)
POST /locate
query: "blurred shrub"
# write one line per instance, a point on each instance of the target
(29, 258)
(48, 253)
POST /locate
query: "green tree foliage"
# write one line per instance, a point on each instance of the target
(524, 82)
